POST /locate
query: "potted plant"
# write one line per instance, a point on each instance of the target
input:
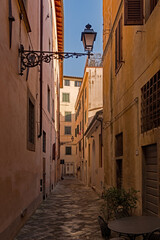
(118, 202)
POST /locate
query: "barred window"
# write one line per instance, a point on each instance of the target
(67, 116)
(65, 97)
(150, 104)
(67, 130)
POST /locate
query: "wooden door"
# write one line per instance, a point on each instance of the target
(150, 181)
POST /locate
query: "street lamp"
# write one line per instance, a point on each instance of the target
(72, 139)
(31, 58)
(88, 37)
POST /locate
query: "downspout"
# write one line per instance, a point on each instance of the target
(83, 122)
(41, 65)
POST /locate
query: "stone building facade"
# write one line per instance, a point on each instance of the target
(29, 105)
(89, 101)
(131, 67)
(68, 95)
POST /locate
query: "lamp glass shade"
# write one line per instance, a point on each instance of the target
(88, 37)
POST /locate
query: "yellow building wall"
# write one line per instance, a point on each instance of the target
(122, 93)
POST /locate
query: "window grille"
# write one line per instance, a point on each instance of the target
(150, 104)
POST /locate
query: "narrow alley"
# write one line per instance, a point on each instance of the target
(70, 212)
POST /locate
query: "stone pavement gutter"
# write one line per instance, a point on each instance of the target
(70, 212)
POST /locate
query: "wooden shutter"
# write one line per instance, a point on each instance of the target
(133, 12)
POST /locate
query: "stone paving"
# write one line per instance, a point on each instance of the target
(69, 213)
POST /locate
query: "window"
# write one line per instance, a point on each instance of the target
(133, 12)
(80, 126)
(65, 97)
(89, 155)
(153, 3)
(119, 145)
(77, 129)
(68, 151)
(44, 141)
(149, 7)
(118, 46)
(68, 117)
(31, 123)
(52, 109)
(48, 99)
(77, 84)
(66, 82)
(119, 173)
(85, 93)
(67, 130)
(23, 5)
(100, 150)
(150, 104)
(75, 132)
(85, 116)
(80, 146)
(54, 151)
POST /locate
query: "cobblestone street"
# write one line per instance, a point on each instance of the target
(70, 212)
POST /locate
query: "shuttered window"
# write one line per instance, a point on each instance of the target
(153, 3)
(133, 12)
(118, 46)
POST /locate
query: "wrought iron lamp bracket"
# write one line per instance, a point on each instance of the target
(30, 58)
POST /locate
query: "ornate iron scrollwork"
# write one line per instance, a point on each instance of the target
(30, 58)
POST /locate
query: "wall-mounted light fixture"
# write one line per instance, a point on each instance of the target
(31, 58)
(72, 139)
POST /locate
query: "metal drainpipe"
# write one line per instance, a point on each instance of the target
(83, 123)
(41, 65)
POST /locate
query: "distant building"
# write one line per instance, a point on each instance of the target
(89, 101)
(29, 109)
(68, 95)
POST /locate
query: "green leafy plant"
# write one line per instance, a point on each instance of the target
(118, 202)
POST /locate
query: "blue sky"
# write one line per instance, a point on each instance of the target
(77, 14)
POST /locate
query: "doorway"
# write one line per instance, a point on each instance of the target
(150, 180)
